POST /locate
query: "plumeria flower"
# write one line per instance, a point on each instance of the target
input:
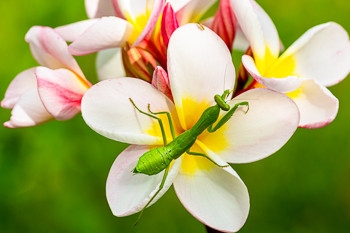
(132, 22)
(50, 91)
(318, 59)
(199, 66)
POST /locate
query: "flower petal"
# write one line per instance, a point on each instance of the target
(109, 64)
(199, 67)
(152, 21)
(28, 111)
(61, 92)
(225, 23)
(23, 82)
(215, 196)
(178, 4)
(322, 54)
(107, 32)
(168, 24)
(99, 8)
(160, 81)
(258, 29)
(106, 108)
(270, 122)
(128, 193)
(284, 85)
(318, 107)
(71, 32)
(50, 50)
(193, 11)
(132, 10)
(240, 42)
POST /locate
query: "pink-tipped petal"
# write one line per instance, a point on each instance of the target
(28, 111)
(99, 8)
(225, 23)
(61, 92)
(105, 33)
(107, 109)
(160, 81)
(23, 82)
(199, 67)
(169, 23)
(215, 196)
(72, 31)
(118, 12)
(109, 64)
(152, 21)
(128, 193)
(322, 54)
(318, 106)
(252, 135)
(50, 50)
(284, 85)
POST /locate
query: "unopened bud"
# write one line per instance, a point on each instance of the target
(138, 63)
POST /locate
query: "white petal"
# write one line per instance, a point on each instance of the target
(217, 197)
(50, 50)
(135, 8)
(240, 43)
(72, 31)
(106, 108)
(109, 64)
(193, 11)
(99, 8)
(318, 107)
(257, 27)
(28, 111)
(270, 122)
(178, 4)
(284, 85)
(128, 193)
(61, 92)
(107, 32)
(200, 66)
(151, 21)
(23, 82)
(322, 54)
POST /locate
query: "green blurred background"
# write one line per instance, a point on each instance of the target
(52, 177)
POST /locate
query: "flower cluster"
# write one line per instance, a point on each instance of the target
(157, 56)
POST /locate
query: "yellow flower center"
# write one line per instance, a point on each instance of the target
(214, 142)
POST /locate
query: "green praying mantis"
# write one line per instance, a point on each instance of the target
(159, 159)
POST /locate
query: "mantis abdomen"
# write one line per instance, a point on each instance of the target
(157, 159)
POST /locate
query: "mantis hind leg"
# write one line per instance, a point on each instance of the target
(205, 156)
(227, 117)
(152, 198)
(171, 125)
(154, 117)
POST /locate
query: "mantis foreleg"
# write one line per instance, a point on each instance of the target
(171, 125)
(227, 117)
(205, 156)
(154, 117)
(159, 189)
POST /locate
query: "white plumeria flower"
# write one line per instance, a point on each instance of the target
(51, 91)
(318, 59)
(199, 66)
(131, 21)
